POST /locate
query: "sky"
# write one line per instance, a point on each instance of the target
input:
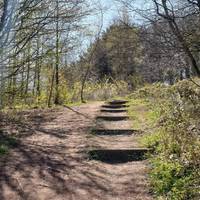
(112, 11)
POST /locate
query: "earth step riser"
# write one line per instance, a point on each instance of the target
(112, 156)
(114, 132)
(114, 106)
(112, 118)
(113, 111)
(117, 102)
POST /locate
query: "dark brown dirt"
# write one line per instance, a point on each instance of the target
(51, 161)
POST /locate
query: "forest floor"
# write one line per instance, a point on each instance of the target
(51, 160)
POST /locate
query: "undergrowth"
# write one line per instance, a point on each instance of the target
(6, 142)
(170, 116)
(69, 94)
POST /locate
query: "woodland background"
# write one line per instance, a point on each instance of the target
(52, 53)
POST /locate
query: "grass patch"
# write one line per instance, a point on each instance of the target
(141, 114)
(3, 149)
(152, 140)
(79, 103)
(6, 143)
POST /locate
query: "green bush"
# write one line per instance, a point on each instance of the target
(153, 140)
(175, 164)
(172, 180)
(70, 93)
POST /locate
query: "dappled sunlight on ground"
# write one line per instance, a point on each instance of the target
(51, 162)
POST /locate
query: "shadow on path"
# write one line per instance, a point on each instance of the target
(51, 162)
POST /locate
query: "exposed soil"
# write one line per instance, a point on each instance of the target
(51, 161)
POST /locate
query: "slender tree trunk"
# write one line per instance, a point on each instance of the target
(22, 82)
(38, 71)
(57, 55)
(13, 82)
(84, 82)
(51, 88)
(28, 72)
(27, 83)
(38, 80)
(34, 80)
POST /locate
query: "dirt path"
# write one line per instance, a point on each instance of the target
(51, 163)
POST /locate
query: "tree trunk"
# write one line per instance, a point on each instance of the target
(51, 89)
(57, 55)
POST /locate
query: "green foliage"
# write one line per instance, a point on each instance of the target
(171, 179)
(116, 54)
(138, 112)
(105, 90)
(6, 143)
(94, 91)
(153, 140)
(175, 138)
(70, 94)
(3, 149)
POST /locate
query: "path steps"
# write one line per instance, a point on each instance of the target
(114, 113)
(118, 102)
(112, 118)
(113, 110)
(114, 132)
(114, 156)
(115, 106)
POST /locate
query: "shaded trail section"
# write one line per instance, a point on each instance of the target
(51, 162)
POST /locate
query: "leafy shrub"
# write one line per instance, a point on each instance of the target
(175, 170)
(172, 180)
(153, 140)
(70, 93)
